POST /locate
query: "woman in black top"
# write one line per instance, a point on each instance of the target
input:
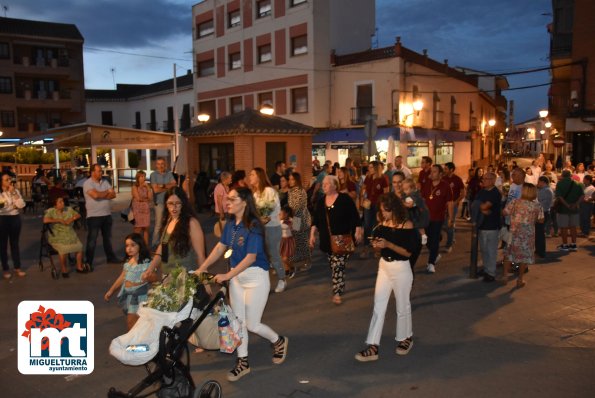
(344, 219)
(395, 239)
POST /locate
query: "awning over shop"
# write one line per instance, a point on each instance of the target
(423, 134)
(354, 135)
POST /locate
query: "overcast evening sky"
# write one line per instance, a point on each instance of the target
(493, 36)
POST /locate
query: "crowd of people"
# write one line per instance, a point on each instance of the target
(274, 222)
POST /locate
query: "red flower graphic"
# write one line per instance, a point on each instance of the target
(43, 319)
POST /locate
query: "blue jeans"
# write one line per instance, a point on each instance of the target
(433, 231)
(94, 225)
(272, 239)
(488, 244)
(450, 231)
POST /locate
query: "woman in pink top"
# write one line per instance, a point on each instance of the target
(220, 194)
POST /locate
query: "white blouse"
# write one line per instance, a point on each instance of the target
(13, 202)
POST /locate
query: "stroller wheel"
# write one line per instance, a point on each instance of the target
(210, 389)
(55, 274)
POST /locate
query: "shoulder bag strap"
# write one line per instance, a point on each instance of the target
(328, 221)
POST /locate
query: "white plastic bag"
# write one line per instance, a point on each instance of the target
(146, 331)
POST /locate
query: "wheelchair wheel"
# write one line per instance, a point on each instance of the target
(55, 274)
(210, 389)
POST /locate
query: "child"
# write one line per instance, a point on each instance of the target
(418, 212)
(133, 290)
(287, 240)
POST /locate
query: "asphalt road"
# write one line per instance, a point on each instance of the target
(471, 339)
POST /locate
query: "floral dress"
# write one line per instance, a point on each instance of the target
(523, 216)
(141, 209)
(298, 201)
(63, 238)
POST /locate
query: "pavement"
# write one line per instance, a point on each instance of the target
(471, 338)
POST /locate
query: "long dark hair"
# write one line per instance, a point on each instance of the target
(181, 233)
(392, 203)
(144, 253)
(263, 180)
(251, 218)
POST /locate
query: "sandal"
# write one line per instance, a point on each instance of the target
(369, 354)
(7, 275)
(280, 350)
(241, 369)
(405, 346)
(337, 299)
(520, 283)
(20, 273)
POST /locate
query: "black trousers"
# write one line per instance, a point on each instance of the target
(10, 230)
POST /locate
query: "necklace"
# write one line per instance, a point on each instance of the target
(434, 190)
(229, 251)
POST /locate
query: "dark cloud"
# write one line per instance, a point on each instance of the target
(494, 36)
(114, 23)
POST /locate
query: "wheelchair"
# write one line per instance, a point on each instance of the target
(46, 251)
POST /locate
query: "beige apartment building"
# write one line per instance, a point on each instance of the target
(427, 107)
(41, 77)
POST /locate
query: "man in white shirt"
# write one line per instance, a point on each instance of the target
(98, 195)
(399, 166)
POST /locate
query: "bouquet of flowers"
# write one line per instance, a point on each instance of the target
(174, 292)
(265, 207)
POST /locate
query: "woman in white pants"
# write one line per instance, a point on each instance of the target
(395, 238)
(242, 243)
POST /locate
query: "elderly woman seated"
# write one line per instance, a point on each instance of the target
(62, 236)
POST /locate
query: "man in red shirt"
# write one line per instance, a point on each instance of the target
(439, 201)
(458, 192)
(423, 179)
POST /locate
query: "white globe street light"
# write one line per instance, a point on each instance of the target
(203, 118)
(543, 113)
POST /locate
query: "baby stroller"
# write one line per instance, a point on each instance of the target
(169, 371)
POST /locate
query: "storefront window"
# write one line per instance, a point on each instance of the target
(415, 151)
(444, 152)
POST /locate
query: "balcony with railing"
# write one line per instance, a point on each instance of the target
(438, 119)
(561, 45)
(152, 126)
(455, 123)
(360, 115)
(472, 123)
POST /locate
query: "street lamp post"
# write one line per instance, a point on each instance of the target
(491, 139)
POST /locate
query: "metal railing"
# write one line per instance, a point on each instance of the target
(359, 115)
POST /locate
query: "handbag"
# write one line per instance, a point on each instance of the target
(296, 223)
(230, 330)
(127, 214)
(340, 244)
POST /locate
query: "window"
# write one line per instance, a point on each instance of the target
(4, 51)
(293, 3)
(137, 124)
(235, 61)
(206, 68)
(299, 45)
(235, 104)
(299, 100)
(233, 19)
(263, 8)
(208, 108)
(265, 98)
(7, 119)
(107, 118)
(264, 54)
(205, 29)
(5, 85)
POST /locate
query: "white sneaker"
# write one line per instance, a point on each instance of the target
(280, 286)
(431, 268)
(424, 239)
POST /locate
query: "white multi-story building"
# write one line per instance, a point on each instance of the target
(143, 106)
(275, 52)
